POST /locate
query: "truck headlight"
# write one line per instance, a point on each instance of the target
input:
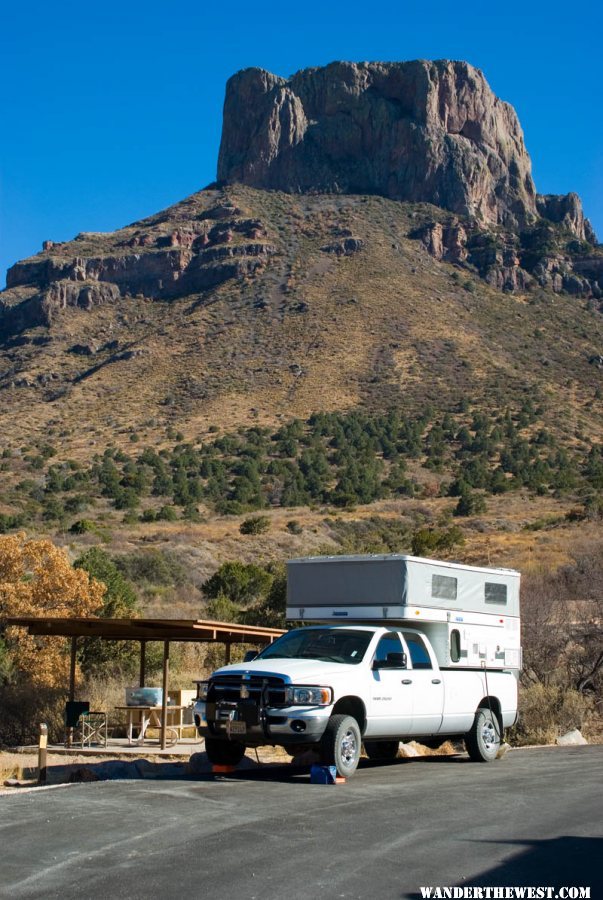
(309, 696)
(202, 689)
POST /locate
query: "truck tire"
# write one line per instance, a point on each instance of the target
(381, 749)
(340, 745)
(484, 739)
(224, 753)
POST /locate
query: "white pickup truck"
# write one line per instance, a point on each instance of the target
(338, 686)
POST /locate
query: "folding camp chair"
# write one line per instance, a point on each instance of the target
(84, 726)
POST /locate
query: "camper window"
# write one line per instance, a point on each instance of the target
(495, 593)
(455, 645)
(443, 587)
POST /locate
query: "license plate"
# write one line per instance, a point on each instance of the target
(235, 727)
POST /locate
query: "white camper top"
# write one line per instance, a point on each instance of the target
(396, 586)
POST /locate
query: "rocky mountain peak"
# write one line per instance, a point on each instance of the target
(416, 131)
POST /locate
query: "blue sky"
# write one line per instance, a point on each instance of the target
(112, 111)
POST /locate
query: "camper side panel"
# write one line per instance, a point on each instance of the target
(469, 590)
(345, 583)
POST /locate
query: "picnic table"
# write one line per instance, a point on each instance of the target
(142, 718)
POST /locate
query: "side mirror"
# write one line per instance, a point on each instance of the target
(393, 661)
(251, 654)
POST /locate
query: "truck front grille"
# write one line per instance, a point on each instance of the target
(264, 690)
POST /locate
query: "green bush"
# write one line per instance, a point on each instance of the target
(255, 525)
(470, 504)
(433, 541)
(82, 526)
(155, 567)
(242, 584)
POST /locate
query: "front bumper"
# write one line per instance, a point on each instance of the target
(246, 722)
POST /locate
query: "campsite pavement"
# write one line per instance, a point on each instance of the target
(532, 818)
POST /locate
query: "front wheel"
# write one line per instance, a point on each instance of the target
(224, 753)
(484, 739)
(340, 745)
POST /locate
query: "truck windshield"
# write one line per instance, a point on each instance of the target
(333, 644)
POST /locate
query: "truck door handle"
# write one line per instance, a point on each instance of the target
(407, 681)
(436, 681)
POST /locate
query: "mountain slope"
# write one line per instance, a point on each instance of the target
(344, 310)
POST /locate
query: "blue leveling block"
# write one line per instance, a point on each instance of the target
(323, 774)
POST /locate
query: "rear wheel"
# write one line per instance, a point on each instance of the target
(484, 739)
(224, 753)
(340, 745)
(381, 749)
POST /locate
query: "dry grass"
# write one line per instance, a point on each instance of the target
(546, 712)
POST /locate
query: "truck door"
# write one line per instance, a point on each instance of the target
(390, 692)
(427, 686)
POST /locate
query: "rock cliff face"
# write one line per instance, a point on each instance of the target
(418, 131)
(415, 131)
(160, 260)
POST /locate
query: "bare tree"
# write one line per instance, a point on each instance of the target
(562, 616)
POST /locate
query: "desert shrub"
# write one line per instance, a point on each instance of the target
(250, 594)
(270, 609)
(376, 534)
(10, 522)
(242, 584)
(294, 527)
(223, 609)
(545, 712)
(430, 541)
(469, 504)
(155, 567)
(167, 514)
(191, 514)
(24, 709)
(255, 525)
(82, 526)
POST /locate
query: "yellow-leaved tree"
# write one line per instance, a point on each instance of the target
(37, 579)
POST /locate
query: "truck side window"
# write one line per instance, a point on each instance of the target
(418, 652)
(389, 643)
(455, 645)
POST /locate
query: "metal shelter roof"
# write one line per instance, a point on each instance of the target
(201, 630)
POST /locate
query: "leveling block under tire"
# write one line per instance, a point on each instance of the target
(224, 753)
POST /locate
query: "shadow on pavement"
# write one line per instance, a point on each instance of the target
(199, 768)
(566, 861)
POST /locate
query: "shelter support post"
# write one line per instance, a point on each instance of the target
(164, 701)
(72, 668)
(143, 663)
(72, 664)
(42, 757)
(226, 653)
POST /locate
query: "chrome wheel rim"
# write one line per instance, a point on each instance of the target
(489, 735)
(348, 748)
